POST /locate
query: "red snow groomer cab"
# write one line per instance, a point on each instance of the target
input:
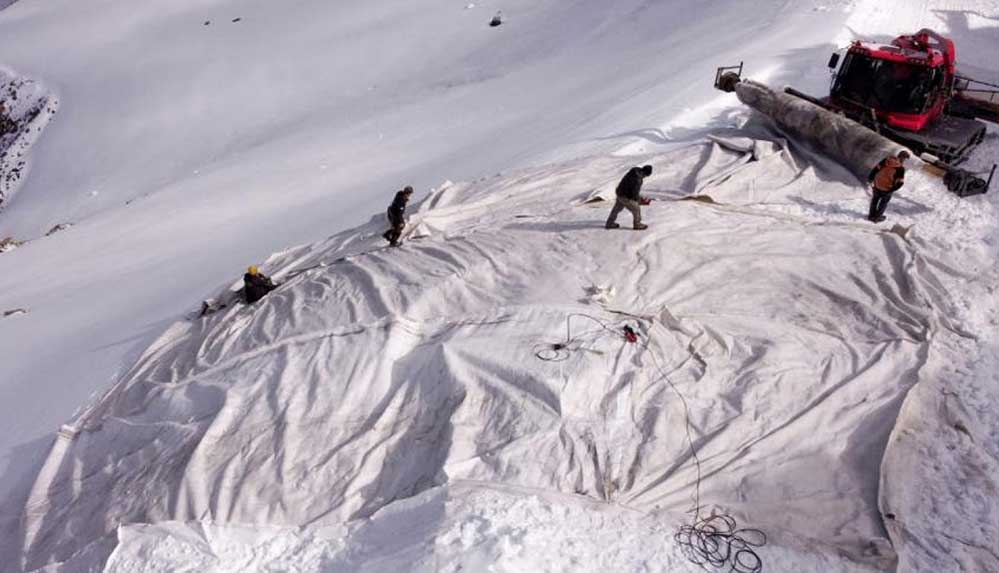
(910, 92)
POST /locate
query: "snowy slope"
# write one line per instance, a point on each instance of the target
(285, 435)
(940, 470)
(388, 372)
(184, 152)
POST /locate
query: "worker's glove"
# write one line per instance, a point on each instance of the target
(644, 201)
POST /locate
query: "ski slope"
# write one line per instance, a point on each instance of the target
(385, 409)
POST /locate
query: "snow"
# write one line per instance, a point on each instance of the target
(226, 142)
(385, 410)
(466, 526)
(417, 366)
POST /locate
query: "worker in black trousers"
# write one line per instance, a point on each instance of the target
(628, 196)
(887, 177)
(396, 214)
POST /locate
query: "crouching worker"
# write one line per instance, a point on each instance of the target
(397, 216)
(628, 196)
(256, 285)
(886, 178)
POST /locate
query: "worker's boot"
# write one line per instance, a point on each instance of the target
(641, 226)
(612, 226)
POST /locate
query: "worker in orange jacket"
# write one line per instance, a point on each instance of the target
(886, 178)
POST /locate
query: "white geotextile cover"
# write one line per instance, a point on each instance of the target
(387, 372)
(940, 473)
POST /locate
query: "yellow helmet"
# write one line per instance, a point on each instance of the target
(253, 270)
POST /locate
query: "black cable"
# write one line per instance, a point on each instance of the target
(568, 320)
(551, 352)
(715, 540)
(560, 351)
(690, 438)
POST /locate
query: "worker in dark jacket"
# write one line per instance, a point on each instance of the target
(256, 285)
(397, 216)
(629, 197)
(886, 178)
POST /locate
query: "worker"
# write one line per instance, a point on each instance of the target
(628, 196)
(887, 177)
(256, 285)
(397, 216)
